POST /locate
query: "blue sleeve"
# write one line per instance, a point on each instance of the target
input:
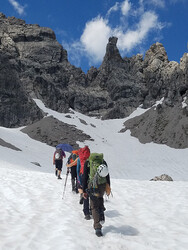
(78, 170)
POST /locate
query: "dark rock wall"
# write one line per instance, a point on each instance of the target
(16, 107)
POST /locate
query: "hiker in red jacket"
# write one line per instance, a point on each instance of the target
(84, 154)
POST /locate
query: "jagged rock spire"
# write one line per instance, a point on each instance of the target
(112, 52)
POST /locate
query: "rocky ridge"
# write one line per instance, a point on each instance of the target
(34, 65)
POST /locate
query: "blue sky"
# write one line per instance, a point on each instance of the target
(84, 26)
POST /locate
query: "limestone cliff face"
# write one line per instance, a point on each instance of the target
(34, 65)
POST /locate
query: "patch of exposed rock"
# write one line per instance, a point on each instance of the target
(8, 145)
(51, 131)
(163, 177)
(163, 125)
(36, 164)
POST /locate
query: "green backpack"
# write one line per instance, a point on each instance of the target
(95, 160)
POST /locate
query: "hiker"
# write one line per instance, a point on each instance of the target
(84, 154)
(72, 164)
(95, 181)
(59, 154)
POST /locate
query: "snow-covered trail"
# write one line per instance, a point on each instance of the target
(140, 215)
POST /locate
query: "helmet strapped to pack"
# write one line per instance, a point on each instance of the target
(102, 170)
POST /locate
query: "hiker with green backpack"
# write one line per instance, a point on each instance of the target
(95, 181)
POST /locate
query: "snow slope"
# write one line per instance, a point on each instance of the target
(140, 215)
(126, 156)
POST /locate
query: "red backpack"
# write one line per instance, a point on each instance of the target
(84, 154)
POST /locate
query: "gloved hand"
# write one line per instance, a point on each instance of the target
(108, 189)
(85, 195)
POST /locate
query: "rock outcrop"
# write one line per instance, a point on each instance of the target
(163, 125)
(163, 177)
(53, 132)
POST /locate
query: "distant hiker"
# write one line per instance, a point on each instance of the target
(95, 181)
(84, 154)
(72, 164)
(59, 154)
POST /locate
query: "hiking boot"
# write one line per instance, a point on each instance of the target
(102, 221)
(59, 177)
(87, 217)
(101, 217)
(98, 232)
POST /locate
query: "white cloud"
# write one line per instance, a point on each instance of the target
(131, 29)
(95, 38)
(75, 51)
(157, 3)
(98, 30)
(113, 8)
(125, 7)
(17, 6)
(132, 38)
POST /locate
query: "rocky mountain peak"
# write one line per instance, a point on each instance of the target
(112, 53)
(30, 41)
(184, 63)
(156, 51)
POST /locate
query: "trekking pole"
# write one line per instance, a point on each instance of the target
(65, 182)
(106, 196)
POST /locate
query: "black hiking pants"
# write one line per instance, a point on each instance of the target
(73, 173)
(74, 179)
(59, 164)
(86, 206)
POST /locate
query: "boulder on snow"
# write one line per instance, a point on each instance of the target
(163, 177)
